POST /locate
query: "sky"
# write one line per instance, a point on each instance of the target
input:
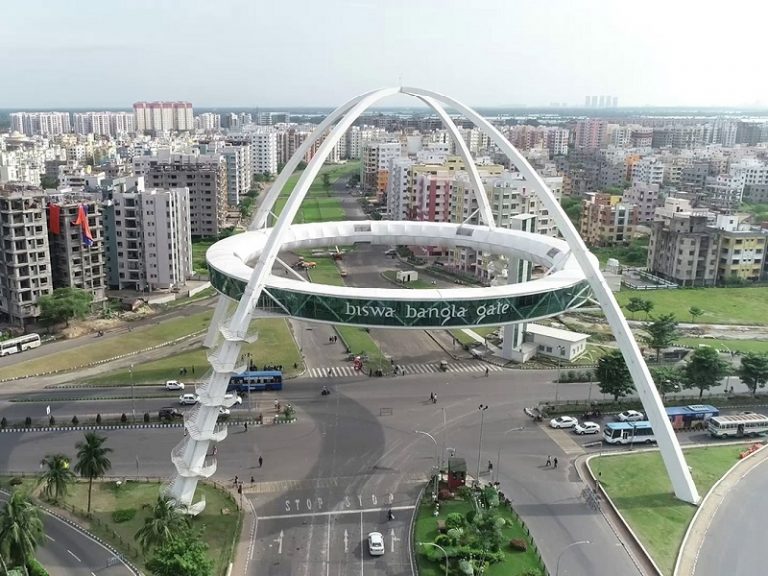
(272, 53)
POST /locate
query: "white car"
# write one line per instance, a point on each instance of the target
(586, 428)
(188, 399)
(174, 385)
(229, 397)
(375, 544)
(224, 411)
(563, 422)
(630, 416)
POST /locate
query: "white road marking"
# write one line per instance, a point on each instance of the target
(328, 548)
(346, 541)
(73, 555)
(49, 538)
(392, 540)
(333, 513)
(279, 541)
(362, 550)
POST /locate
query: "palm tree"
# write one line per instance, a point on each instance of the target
(21, 530)
(57, 477)
(164, 523)
(92, 461)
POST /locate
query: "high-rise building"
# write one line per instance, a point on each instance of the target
(205, 176)
(108, 124)
(40, 123)
(152, 237)
(239, 171)
(76, 240)
(591, 133)
(374, 170)
(645, 197)
(606, 220)
(263, 149)
(683, 249)
(25, 266)
(161, 116)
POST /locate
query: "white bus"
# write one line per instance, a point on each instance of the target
(628, 432)
(738, 425)
(19, 344)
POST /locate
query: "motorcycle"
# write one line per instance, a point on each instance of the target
(325, 391)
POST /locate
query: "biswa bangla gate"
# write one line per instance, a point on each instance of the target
(241, 270)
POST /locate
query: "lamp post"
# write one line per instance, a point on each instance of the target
(561, 350)
(482, 408)
(498, 454)
(571, 545)
(730, 365)
(441, 548)
(133, 396)
(437, 456)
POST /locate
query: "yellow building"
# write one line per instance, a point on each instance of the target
(741, 255)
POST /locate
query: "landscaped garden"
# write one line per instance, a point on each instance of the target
(477, 532)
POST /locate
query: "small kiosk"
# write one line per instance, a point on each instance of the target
(457, 473)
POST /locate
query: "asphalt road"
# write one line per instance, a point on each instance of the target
(68, 552)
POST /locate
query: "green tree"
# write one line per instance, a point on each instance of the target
(635, 305)
(185, 554)
(667, 379)
(56, 477)
(613, 375)
(572, 208)
(326, 180)
(92, 460)
(695, 312)
(21, 530)
(64, 304)
(47, 182)
(753, 371)
(662, 333)
(647, 308)
(164, 523)
(704, 369)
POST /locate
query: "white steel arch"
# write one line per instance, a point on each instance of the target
(191, 457)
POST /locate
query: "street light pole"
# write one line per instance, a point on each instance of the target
(441, 548)
(133, 397)
(482, 408)
(437, 462)
(571, 545)
(498, 454)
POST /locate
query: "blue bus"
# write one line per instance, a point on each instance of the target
(685, 416)
(628, 432)
(256, 381)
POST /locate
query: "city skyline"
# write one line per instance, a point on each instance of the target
(238, 54)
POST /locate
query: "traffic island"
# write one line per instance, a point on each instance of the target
(472, 532)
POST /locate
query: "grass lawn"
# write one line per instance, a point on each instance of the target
(314, 210)
(720, 305)
(199, 247)
(760, 346)
(425, 530)
(218, 530)
(633, 255)
(646, 499)
(591, 356)
(334, 171)
(103, 348)
(274, 346)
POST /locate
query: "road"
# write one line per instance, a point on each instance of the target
(68, 552)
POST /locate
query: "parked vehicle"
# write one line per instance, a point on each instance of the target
(188, 399)
(563, 422)
(630, 416)
(628, 433)
(174, 385)
(738, 425)
(586, 428)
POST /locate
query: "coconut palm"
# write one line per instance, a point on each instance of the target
(57, 476)
(165, 522)
(21, 530)
(92, 460)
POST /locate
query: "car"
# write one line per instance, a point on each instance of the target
(230, 396)
(586, 428)
(188, 399)
(375, 544)
(174, 385)
(224, 412)
(630, 416)
(563, 422)
(169, 413)
(390, 252)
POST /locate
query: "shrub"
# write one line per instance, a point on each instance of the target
(123, 515)
(51, 421)
(75, 421)
(34, 568)
(471, 515)
(27, 421)
(4, 422)
(518, 544)
(98, 418)
(444, 494)
(15, 481)
(146, 417)
(454, 520)
(123, 418)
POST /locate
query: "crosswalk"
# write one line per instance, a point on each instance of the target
(458, 367)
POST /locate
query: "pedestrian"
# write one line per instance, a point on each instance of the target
(554, 462)
(490, 466)
(391, 361)
(330, 371)
(549, 461)
(434, 399)
(193, 370)
(252, 480)
(236, 479)
(277, 404)
(486, 372)
(261, 461)
(245, 425)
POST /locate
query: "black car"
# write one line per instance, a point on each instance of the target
(169, 413)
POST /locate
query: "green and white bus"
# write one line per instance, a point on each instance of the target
(738, 425)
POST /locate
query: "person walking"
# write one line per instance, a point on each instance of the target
(261, 461)
(245, 425)
(486, 372)
(554, 462)
(549, 461)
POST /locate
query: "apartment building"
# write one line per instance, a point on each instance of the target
(152, 238)
(237, 157)
(591, 134)
(76, 241)
(40, 123)
(648, 170)
(163, 116)
(25, 265)
(606, 220)
(374, 171)
(397, 188)
(264, 152)
(645, 197)
(741, 255)
(109, 124)
(204, 175)
(682, 248)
